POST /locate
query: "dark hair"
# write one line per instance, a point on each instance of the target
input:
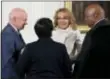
(43, 27)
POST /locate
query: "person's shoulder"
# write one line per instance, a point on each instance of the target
(102, 32)
(59, 45)
(31, 44)
(6, 33)
(7, 30)
(103, 28)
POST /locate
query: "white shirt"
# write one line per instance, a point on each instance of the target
(68, 37)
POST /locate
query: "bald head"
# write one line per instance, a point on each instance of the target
(96, 9)
(18, 18)
(17, 12)
(94, 13)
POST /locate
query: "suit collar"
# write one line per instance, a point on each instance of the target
(101, 22)
(14, 27)
(45, 39)
(11, 29)
(16, 33)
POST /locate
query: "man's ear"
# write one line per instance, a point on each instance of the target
(96, 15)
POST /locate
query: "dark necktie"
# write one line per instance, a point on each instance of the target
(21, 38)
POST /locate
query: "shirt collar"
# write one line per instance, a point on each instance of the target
(99, 21)
(14, 28)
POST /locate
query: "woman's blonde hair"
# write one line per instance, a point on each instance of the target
(71, 17)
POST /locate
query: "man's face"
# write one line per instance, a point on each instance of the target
(21, 21)
(90, 17)
(62, 20)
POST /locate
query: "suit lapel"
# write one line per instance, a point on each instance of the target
(17, 34)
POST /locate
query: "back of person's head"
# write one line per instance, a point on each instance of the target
(43, 27)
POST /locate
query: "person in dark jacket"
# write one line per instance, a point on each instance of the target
(12, 42)
(93, 61)
(44, 58)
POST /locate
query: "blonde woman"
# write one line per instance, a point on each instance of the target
(66, 31)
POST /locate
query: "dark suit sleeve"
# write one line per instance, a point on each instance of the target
(67, 66)
(7, 48)
(23, 63)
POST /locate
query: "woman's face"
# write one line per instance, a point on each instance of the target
(62, 20)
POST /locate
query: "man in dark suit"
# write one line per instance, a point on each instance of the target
(44, 58)
(12, 42)
(93, 61)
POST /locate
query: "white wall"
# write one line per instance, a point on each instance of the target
(35, 10)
